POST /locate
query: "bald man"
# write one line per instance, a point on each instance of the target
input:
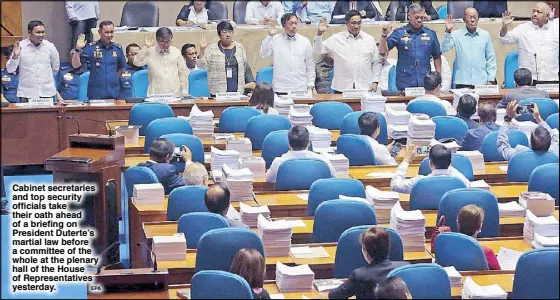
(537, 43)
(217, 201)
(475, 57)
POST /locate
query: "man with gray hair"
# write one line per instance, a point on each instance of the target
(195, 174)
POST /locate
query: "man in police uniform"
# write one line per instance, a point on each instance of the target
(68, 82)
(105, 60)
(10, 81)
(126, 76)
(416, 43)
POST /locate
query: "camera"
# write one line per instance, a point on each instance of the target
(525, 109)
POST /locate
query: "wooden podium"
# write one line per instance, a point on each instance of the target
(96, 159)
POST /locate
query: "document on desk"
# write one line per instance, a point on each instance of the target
(503, 168)
(381, 174)
(277, 296)
(508, 258)
(295, 223)
(308, 252)
(304, 197)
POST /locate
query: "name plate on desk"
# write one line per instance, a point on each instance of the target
(41, 102)
(307, 94)
(549, 88)
(353, 93)
(232, 96)
(487, 89)
(102, 102)
(414, 91)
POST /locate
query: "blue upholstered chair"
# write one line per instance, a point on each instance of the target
(184, 200)
(198, 83)
(265, 75)
(357, 149)
(547, 107)
(140, 84)
(333, 217)
(159, 127)
(437, 287)
(522, 164)
(442, 11)
(461, 251)
(552, 121)
(393, 79)
(234, 119)
(458, 161)
(511, 64)
(82, 88)
(350, 125)
(258, 127)
(146, 112)
(428, 107)
(239, 8)
(274, 145)
(192, 142)
(138, 175)
(329, 115)
(536, 275)
(450, 127)
(330, 188)
(544, 179)
(489, 146)
(195, 224)
(457, 8)
(427, 192)
(212, 284)
(300, 173)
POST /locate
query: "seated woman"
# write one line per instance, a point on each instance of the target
(469, 222)
(226, 62)
(362, 282)
(196, 12)
(431, 13)
(249, 264)
(263, 99)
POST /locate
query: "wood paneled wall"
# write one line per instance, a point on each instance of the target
(11, 23)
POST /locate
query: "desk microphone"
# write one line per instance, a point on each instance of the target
(154, 258)
(536, 66)
(77, 123)
(103, 255)
(92, 120)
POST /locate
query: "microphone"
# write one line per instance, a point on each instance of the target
(77, 123)
(154, 258)
(92, 120)
(103, 254)
(536, 66)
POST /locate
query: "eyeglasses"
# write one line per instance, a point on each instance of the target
(226, 31)
(164, 42)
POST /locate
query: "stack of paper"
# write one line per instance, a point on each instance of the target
(170, 247)
(479, 184)
(218, 158)
(454, 276)
(294, 279)
(411, 226)
(544, 226)
(373, 102)
(540, 204)
(511, 209)
(283, 104)
(324, 285)
(397, 132)
(319, 137)
(249, 214)
(421, 130)
(476, 158)
(300, 115)
(396, 114)
(241, 145)
(452, 146)
(507, 258)
(545, 241)
(239, 183)
(382, 203)
(340, 163)
(148, 194)
(201, 122)
(257, 165)
(471, 290)
(306, 252)
(276, 236)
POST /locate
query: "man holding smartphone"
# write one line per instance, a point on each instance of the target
(369, 127)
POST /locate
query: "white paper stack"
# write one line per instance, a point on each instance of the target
(201, 122)
(452, 146)
(218, 158)
(471, 290)
(170, 247)
(340, 163)
(421, 130)
(454, 276)
(319, 137)
(283, 104)
(294, 279)
(239, 183)
(241, 145)
(540, 204)
(396, 114)
(148, 194)
(507, 258)
(300, 115)
(544, 226)
(276, 236)
(511, 209)
(479, 184)
(257, 165)
(382, 203)
(373, 102)
(411, 226)
(545, 241)
(526, 126)
(250, 214)
(476, 158)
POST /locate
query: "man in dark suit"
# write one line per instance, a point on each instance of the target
(523, 80)
(490, 9)
(361, 283)
(365, 8)
(217, 201)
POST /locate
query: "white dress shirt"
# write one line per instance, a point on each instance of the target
(167, 70)
(356, 59)
(293, 64)
(445, 73)
(255, 11)
(273, 170)
(536, 45)
(449, 109)
(82, 10)
(382, 155)
(37, 65)
(401, 185)
(201, 17)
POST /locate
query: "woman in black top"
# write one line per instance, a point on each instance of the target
(249, 264)
(431, 13)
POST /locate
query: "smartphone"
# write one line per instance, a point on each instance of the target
(396, 148)
(423, 150)
(525, 109)
(178, 151)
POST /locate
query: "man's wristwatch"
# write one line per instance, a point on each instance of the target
(507, 119)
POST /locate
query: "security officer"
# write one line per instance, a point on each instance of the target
(416, 44)
(126, 75)
(68, 82)
(105, 60)
(10, 81)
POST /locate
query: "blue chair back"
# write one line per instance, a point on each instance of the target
(522, 164)
(428, 107)
(461, 251)
(192, 142)
(140, 84)
(393, 79)
(274, 145)
(300, 173)
(329, 115)
(213, 284)
(438, 287)
(234, 119)
(145, 112)
(159, 127)
(511, 64)
(545, 179)
(258, 127)
(489, 147)
(138, 175)
(428, 191)
(350, 125)
(536, 275)
(82, 89)
(330, 188)
(217, 247)
(239, 8)
(265, 75)
(453, 72)
(184, 200)
(195, 224)
(349, 250)
(333, 217)
(357, 149)
(198, 83)
(442, 11)
(452, 202)
(450, 127)
(458, 161)
(552, 121)
(547, 107)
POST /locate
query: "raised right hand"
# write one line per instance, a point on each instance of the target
(507, 19)
(410, 153)
(81, 42)
(386, 29)
(17, 50)
(148, 40)
(449, 23)
(271, 29)
(322, 26)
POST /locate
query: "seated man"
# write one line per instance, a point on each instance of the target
(542, 138)
(523, 88)
(10, 81)
(217, 201)
(440, 163)
(466, 108)
(312, 11)
(195, 174)
(298, 138)
(125, 78)
(369, 127)
(474, 137)
(366, 9)
(432, 85)
(263, 12)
